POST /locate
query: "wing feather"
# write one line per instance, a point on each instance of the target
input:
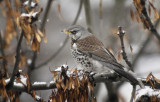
(92, 46)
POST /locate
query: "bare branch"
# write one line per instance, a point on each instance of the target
(4, 61)
(121, 33)
(88, 14)
(10, 84)
(65, 40)
(32, 66)
(133, 93)
(97, 78)
(144, 45)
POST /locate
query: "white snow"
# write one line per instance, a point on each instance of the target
(29, 15)
(39, 83)
(147, 91)
(23, 79)
(29, 61)
(38, 97)
(32, 3)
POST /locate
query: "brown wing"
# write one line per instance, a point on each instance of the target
(92, 45)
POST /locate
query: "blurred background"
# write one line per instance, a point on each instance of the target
(103, 17)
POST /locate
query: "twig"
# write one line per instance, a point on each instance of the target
(144, 45)
(65, 40)
(29, 3)
(112, 94)
(32, 66)
(4, 61)
(10, 84)
(121, 33)
(88, 14)
(133, 93)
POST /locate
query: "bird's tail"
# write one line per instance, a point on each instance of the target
(126, 75)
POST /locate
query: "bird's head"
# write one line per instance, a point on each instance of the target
(76, 32)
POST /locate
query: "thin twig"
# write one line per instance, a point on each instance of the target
(112, 94)
(32, 66)
(10, 84)
(133, 93)
(65, 40)
(121, 33)
(88, 14)
(144, 45)
(4, 61)
(29, 3)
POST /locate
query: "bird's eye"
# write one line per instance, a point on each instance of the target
(74, 32)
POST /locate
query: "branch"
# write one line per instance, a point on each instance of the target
(140, 7)
(65, 40)
(97, 78)
(121, 33)
(4, 61)
(32, 66)
(144, 45)
(10, 84)
(88, 14)
(133, 93)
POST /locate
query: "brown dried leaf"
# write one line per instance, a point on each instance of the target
(132, 14)
(59, 12)
(55, 75)
(28, 83)
(149, 10)
(137, 17)
(38, 37)
(35, 45)
(2, 57)
(156, 14)
(70, 83)
(45, 39)
(28, 38)
(34, 94)
(3, 10)
(131, 48)
(40, 33)
(18, 4)
(119, 56)
(58, 85)
(148, 77)
(54, 99)
(22, 62)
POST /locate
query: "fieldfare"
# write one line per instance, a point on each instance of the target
(91, 54)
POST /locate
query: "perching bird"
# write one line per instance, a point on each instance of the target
(91, 54)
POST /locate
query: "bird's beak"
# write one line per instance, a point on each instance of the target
(66, 31)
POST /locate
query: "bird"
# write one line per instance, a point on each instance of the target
(90, 53)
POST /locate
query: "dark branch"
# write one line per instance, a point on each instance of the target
(15, 70)
(32, 66)
(88, 14)
(121, 33)
(144, 45)
(4, 61)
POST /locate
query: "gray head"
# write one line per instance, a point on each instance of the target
(76, 32)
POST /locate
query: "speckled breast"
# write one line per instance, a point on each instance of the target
(82, 59)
